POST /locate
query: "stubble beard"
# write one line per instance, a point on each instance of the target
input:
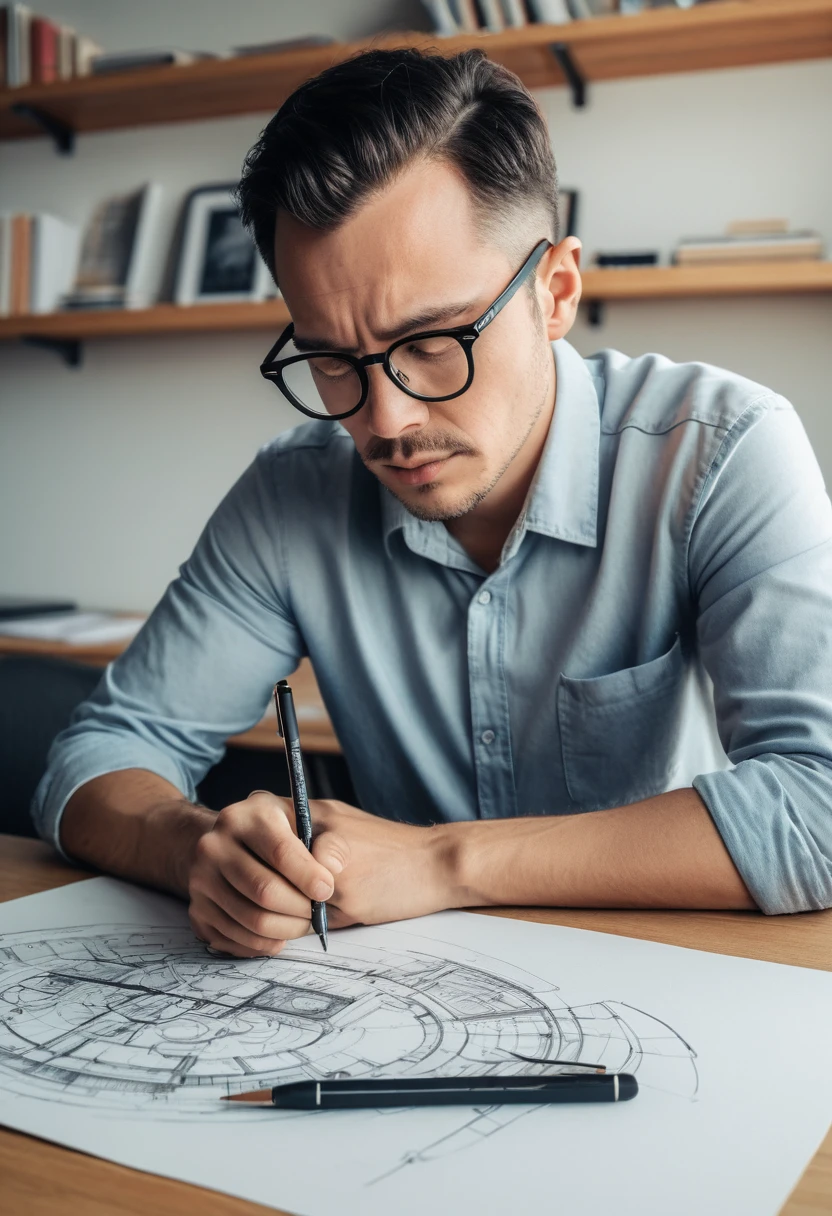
(445, 514)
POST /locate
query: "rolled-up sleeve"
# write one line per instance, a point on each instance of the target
(202, 667)
(760, 569)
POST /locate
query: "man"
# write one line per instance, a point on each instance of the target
(527, 582)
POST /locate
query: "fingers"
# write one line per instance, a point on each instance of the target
(216, 942)
(332, 850)
(258, 920)
(252, 880)
(213, 925)
(261, 825)
(260, 886)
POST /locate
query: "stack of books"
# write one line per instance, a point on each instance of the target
(38, 256)
(473, 16)
(35, 50)
(751, 241)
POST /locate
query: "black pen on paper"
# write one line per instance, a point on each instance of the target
(287, 728)
(374, 1093)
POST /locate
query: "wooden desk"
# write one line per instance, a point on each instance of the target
(40, 1179)
(316, 733)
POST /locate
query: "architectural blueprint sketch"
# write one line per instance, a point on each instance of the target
(119, 1033)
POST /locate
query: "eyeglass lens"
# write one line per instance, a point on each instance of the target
(434, 367)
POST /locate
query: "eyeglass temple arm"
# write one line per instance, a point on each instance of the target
(479, 325)
(522, 274)
(279, 344)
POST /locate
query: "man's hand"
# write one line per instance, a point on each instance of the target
(252, 881)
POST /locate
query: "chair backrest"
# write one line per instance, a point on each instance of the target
(37, 697)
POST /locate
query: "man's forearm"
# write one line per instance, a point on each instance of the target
(664, 852)
(136, 825)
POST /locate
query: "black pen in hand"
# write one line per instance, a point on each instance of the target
(287, 728)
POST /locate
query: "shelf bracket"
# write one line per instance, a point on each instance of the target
(68, 349)
(574, 79)
(595, 312)
(62, 136)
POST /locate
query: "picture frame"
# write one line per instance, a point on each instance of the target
(217, 261)
(117, 266)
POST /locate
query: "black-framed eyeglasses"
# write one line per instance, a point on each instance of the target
(437, 365)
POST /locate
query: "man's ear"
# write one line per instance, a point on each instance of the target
(558, 284)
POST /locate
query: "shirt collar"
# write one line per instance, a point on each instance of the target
(563, 498)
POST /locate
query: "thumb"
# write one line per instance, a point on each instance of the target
(331, 850)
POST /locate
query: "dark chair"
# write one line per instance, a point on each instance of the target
(37, 697)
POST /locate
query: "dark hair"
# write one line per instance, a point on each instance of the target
(350, 130)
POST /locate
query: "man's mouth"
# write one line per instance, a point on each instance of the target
(418, 474)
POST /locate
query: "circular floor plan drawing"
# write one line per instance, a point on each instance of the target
(144, 1020)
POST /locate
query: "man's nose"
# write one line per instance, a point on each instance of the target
(390, 411)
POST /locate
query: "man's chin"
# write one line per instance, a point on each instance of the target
(434, 504)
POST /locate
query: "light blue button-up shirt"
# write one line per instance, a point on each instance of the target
(661, 615)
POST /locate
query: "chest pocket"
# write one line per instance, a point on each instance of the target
(619, 732)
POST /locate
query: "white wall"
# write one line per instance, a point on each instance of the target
(107, 473)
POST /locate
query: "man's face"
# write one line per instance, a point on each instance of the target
(412, 250)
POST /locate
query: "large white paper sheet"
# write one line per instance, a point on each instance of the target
(118, 1033)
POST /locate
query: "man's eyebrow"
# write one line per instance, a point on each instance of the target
(424, 320)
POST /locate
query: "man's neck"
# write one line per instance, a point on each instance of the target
(483, 532)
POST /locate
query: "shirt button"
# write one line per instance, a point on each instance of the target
(488, 736)
(484, 597)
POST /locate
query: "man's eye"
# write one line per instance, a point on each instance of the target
(430, 348)
(332, 369)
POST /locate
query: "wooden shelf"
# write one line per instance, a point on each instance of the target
(637, 283)
(684, 282)
(148, 322)
(723, 34)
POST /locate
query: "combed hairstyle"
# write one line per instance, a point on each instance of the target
(348, 132)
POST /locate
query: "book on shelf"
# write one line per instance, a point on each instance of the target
(467, 15)
(44, 46)
(549, 12)
(83, 53)
(38, 254)
(797, 246)
(20, 263)
(474, 16)
(492, 16)
(36, 50)
(306, 42)
(443, 17)
(132, 61)
(516, 15)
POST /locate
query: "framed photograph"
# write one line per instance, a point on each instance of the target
(218, 262)
(118, 262)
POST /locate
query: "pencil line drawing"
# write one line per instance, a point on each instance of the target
(142, 1021)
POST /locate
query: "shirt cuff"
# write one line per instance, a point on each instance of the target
(93, 758)
(759, 819)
